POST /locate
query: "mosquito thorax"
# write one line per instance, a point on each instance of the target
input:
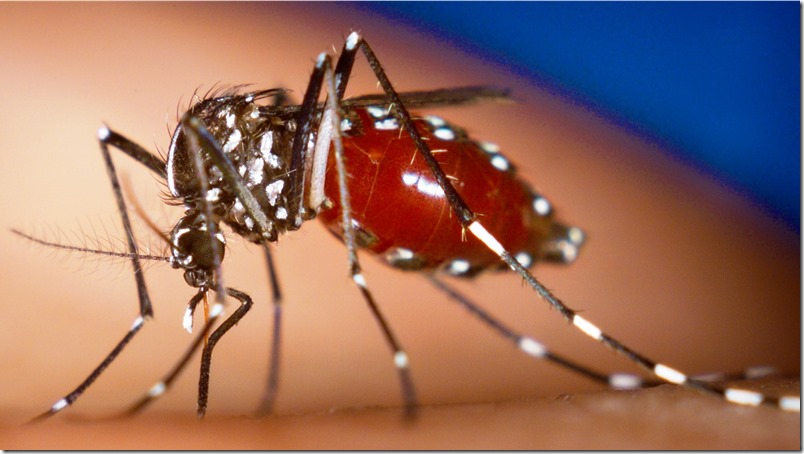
(258, 141)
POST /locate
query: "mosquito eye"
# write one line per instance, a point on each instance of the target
(197, 246)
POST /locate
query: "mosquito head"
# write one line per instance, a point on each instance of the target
(195, 250)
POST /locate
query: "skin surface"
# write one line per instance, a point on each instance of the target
(686, 271)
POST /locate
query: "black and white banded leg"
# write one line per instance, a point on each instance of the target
(330, 131)
(107, 137)
(533, 347)
(164, 384)
(470, 222)
(161, 387)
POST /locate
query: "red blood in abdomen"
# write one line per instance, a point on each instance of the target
(395, 197)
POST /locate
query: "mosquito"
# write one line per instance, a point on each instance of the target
(264, 169)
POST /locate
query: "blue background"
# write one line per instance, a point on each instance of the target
(717, 84)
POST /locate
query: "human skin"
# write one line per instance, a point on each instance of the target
(677, 266)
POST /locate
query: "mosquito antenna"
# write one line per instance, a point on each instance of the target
(85, 250)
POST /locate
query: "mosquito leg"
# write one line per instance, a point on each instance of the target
(299, 161)
(332, 114)
(269, 397)
(162, 386)
(141, 155)
(533, 347)
(206, 355)
(68, 400)
(211, 224)
(107, 137)
(200, 139)
(146, 310)
(469, 221)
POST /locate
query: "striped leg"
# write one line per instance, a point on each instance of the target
(662, 371)
(534, 348)
(160, 387)
(469, 221)
(331, 131)
(107, 137)
(68, 400)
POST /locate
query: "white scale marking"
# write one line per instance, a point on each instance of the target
(403, 254)
(401, 360)
(669, 374)
(532, 347)
(187, 320)
(238, 206)
(157, 389)
(524, 259)
(435, 121)
(500, 163)
(569, 251)
(321, 58)
(137, 323)
(59, 405)
(625, 381)
(216, 310)
(359, 280)
(790, 403)
(459, 266)
(213, 195)
(255, 171)
(273, 190)
(744, 397)
(266, 145)
(541, 206)
(444, 133)
(487, 238)
(575, 235)
(352, 40)
(489, 147)
(103, 133)
(233, 141)
(376, 111)
(399, 255)
(386, 124)
(281, 213)
(587, 327)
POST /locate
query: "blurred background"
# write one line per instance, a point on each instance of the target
(717, 84)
